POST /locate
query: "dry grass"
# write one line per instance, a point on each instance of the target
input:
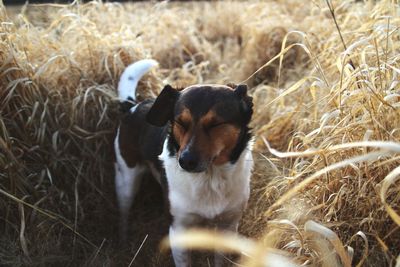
(325, 189)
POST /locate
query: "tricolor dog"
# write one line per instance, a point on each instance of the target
(196, 142)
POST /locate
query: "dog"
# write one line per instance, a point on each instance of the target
(197, 144)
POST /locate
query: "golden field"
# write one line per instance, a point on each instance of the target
(324, 77)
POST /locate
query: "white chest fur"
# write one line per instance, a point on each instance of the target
(221, 188)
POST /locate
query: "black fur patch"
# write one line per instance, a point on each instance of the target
(172, 144)
(126, 105)
(140, 141)
(245, 136)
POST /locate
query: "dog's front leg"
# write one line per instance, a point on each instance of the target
(229, 225)
(181, 256)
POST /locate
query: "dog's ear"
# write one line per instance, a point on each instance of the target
(163, 108)
(246, 101)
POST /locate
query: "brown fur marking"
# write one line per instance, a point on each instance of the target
(182, 129)
(213, 139)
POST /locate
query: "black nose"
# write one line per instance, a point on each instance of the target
(188, 161)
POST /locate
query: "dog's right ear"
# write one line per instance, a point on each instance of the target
(163, 108)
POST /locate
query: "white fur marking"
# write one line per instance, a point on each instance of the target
(219, 189)
(131, 76)
(133, 109)
(179, 254)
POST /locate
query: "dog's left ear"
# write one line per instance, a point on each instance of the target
(246, 101)
(163, 108)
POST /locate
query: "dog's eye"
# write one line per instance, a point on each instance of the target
(215, 125)
(181, 124)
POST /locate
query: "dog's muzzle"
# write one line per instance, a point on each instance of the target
(190, 161)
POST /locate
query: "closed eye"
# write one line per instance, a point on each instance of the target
(184, 126)
(215, 125)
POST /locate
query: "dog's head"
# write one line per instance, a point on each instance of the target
(209, 123)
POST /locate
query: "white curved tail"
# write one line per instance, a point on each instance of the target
(131, 76)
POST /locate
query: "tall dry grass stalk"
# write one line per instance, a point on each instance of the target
(325, 188)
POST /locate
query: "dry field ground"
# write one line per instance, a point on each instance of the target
(325, 81)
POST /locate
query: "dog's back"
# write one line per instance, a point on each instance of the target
(137, 143)
(140, 141)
